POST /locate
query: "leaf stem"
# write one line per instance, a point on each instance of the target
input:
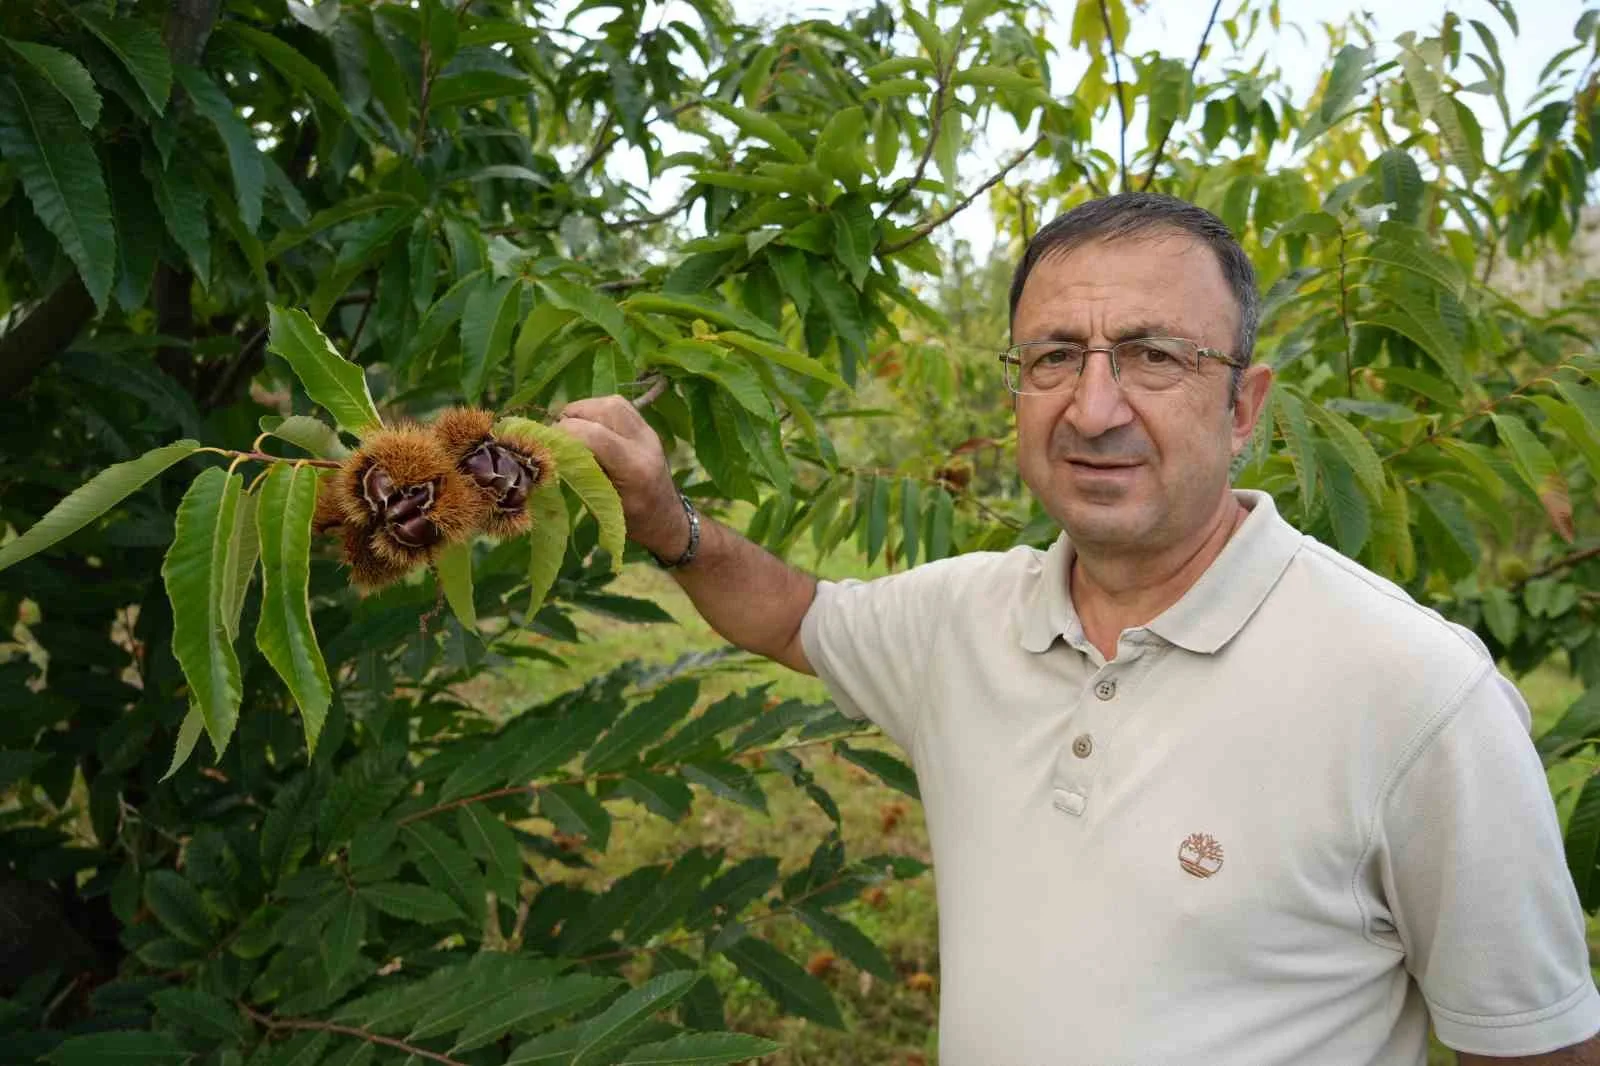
(263, 457)
(270, 1022)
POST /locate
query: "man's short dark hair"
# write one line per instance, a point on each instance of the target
(1149, 214)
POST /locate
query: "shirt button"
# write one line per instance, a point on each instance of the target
(1106, 689)
(1083, 746)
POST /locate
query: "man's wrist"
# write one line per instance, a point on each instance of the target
(688, 554)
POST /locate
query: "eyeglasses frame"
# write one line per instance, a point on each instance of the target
(1007, 358)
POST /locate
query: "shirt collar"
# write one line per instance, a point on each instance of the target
(1214, 609)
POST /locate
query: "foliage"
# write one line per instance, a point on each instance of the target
(275, 230)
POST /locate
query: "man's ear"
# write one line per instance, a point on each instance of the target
(1254, 384)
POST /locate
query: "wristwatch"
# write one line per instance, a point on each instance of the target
(694, 539)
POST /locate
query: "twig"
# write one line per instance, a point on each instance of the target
(346, 1030)
(1155, 161)
(1122, 103)
(422, 98)
(1483, 409)
(658, 385)
(621, 284)
(605, 142)
(660, 216)
(927, 149)
(361, 323)
(1560, 564)
(934, 223)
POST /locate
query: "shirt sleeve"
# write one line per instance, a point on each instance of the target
(1478, 886)
(870, 642)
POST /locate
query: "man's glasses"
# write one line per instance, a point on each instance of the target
(1140, 365)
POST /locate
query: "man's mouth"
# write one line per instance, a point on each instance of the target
(1103, 464)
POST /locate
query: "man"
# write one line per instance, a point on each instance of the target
(1200, 789)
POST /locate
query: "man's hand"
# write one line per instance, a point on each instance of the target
(630, 453)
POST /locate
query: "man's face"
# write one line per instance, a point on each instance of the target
(1121, 472)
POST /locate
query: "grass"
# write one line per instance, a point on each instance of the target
(888, 1022)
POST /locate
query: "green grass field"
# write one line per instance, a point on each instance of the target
(889, 1023)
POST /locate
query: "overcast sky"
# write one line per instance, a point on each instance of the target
(1173, 27)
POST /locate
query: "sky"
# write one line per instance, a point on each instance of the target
(1173, 27)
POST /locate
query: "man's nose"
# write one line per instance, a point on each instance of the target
(1098, 404)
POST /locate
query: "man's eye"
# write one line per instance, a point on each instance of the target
(1151, 355)
(1054, 357)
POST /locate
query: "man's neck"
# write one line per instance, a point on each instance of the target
(1113, 591)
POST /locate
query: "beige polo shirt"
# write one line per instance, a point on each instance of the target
(1294, 819)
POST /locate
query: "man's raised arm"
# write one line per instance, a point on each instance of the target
(749, 595)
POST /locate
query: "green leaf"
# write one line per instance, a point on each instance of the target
(667, 796)
(1296, 429)
(877, 517)
(412, 903)
(701, 1049)
(947, 148)
(854, 236)
(200, 1012)
(578, 470)
(711, 362)
(700, 734)
(42, 140)
(840, 146)
(734, 889)
(1583, 845)
(689, 306)
(762, 128)
(244, 158)
(996, 78)
(177, 905)
(910, 519)
(843, 309)
(194, 723)
(310, 434)
(475, 87)
(796, 991)
(118, 1047)
(243, 551)
(528, 1009)
(296, 68)
(547, 539)
(453, 566)
(794, 276)
(671, 896)
(65, 74)
(592, 306)
(197, 571)
(1348, 507)
(938, 527)
(848, 940)
(1584, 435)
(94, 498)
(341, 939)
(138, 47)
(1578, 727)
(890, 770)
(445, 865)
(728, 780)
(612, 1025)
(488, 838)
(332, 383)
(183, 207)
(643, 725)
(1354, 448)
(781, 356)
(284, 633)
(1538, 469)
(487, 321)
(575, 811)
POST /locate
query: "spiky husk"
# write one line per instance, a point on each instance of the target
(458, 511)
(410, 456)
(368, 570)
(330, 512)
(462, 429)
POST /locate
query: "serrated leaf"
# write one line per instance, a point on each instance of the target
(547, 541)
(183, 207)
(1348, 507)
(49, 151)
(877, 529)
(296, 68)
(910, 519)
(762, 128)
(138, 47)
(848, 940)
(735, 889)
(1583, 845)
(690, 306)
(194, 723)
(629, 1012)
(118, 1047)
(412, 903)
(781, 356)
(487, 321)
(244, 157)
(475, 87)
(453, 567)
(197, 570)
(996, 78)
(796, 991)
(1578, 727)
(854, 236)
(1296, 430)
(1538, 469)
(939, 526)
(445, 865)
(243, 552)
(711, 361)
(1354, 449)
(178, 906)
(645, 724)
(528, 1009)
(65, 74)
(341, 939)
(701, 1049)
(575, 811)
(672, 896)
(284, 632)
(309, 434)
(199, 1012)
(92, 499)
(487, 982)
(840, 146)
(728, 780)
(664, 795)
(888, 769)
(592, 306)
(488, 838)
(578, 470)
(332, 382)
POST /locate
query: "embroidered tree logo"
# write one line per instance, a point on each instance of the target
(1200, 854)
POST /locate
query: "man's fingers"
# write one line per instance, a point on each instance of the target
(610, 447)
(613, 412)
